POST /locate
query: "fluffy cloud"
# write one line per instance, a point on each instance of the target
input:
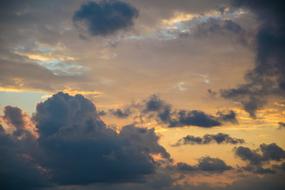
(105, 17)
(74, 140)
(219, 138)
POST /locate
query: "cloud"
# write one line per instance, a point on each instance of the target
(74, 140)
(227, 116)
(196, 118)
(248, 155)
(205, 164)
(121, 113)
(272, 152)
(154, 107)
(219, 138)
(178, 118)
(18, 122)
(69, 126)
(268, 152)
(14, 116)
(18, 169)
(105, 17)
(267, 78)
(219, 26)
(258, 158)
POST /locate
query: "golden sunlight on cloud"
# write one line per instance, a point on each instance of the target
(44, 57)
(178, 17)
(82, 92)
(29, 125)
(11, 89)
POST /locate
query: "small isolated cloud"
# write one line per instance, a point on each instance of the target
(219, 138)
(121, 113)
(105, 17)
(205, 164)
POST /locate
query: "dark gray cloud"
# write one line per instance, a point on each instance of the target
(105, 17)
(258, 158)
(196, 118)
(155, 108)
(267, 78)
(219, 138)
(227, 116)
(272, 152)
(205, 164)
(121, 113)
(177, 118)
(18, 169)
(69, 126)
(155, 104)
(266, 152)
(14, 116)
(74, 140)
(249, 155)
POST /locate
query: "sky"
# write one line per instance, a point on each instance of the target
(142, 94)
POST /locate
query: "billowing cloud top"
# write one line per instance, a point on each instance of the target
(74, 140)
